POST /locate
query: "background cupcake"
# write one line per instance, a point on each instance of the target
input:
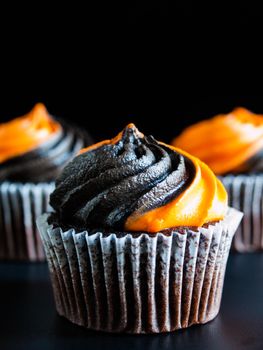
(232, 145)
(139, 238)
(33, 150)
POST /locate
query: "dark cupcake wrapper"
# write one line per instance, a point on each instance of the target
(20, 205)
(246, 194)
(144, 284)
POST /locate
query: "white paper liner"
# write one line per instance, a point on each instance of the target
(144, 284)
(246, 194)
(20, 205)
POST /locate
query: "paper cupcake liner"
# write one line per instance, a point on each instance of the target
(246, 194)
(20, 205)
(139, 284)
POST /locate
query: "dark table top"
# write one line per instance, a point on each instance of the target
(28, 319)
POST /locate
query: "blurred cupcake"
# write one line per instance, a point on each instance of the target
(139, 238)
(232, 145)
(33, 150)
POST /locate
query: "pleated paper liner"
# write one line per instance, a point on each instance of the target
(246, 194)
(20, 205)
(139, 283)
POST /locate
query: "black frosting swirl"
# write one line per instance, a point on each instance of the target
(46, 161)
(102, 187)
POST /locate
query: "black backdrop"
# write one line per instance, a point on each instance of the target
(162, 65)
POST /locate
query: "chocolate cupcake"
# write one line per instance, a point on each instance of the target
(33, 150)
(232, 145)
(139, 238)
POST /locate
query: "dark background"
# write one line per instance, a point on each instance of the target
(161, 64)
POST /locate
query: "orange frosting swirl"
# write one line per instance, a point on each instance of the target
(226, 142)
(204, 201)
(26, 133)
(135, 183)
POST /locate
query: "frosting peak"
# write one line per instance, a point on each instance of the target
(228, 143)
(135, 183)
(25, 133)
(35, 147)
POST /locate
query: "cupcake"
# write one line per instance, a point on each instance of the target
(139, 238)
(232, 145)
(34, 148)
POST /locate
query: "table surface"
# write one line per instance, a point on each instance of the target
(28, 319)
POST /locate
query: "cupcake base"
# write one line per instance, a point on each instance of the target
(245, 193)
(20, 205)
(143, 284)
